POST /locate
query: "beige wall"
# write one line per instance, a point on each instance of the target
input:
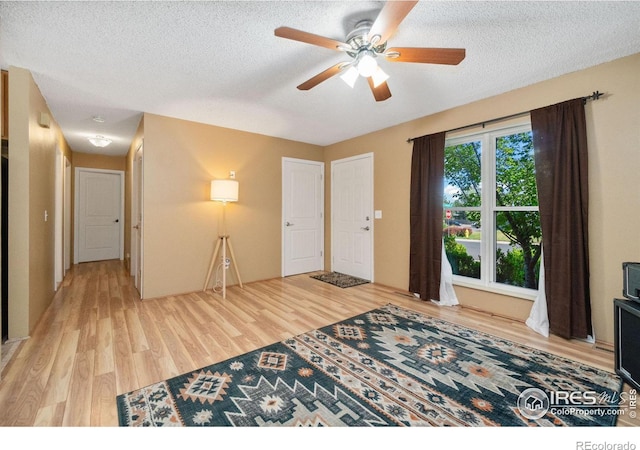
(181, 223)
(32, 151)
(91, 161)
(614, 139)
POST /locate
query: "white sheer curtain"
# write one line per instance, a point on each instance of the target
(538, 318)
(447, 294)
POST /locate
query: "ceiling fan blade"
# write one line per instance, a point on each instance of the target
(380, 93)
(451, 56)
(392, 13)
(322, 76)
(310, 38)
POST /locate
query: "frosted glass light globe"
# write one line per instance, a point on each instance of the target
(367, 65)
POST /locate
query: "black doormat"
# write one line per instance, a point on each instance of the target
(340, 279)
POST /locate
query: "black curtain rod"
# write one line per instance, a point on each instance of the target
(594, 96)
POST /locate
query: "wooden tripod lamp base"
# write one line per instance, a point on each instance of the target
(224, 242)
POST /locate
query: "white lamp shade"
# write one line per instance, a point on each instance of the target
(224, 190)
(379, 77)
(350, 76)
(367, 65)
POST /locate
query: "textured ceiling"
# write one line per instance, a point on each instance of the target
(218, 62)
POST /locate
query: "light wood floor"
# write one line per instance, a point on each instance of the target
(98, 339)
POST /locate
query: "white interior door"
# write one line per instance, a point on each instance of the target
(99, 200)
(67, 215)
(58, 264)
(136, 219)
(302, 216)
(352, 216)
(62, 224)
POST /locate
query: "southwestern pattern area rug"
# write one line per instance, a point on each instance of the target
(340, 279)
(388, 367)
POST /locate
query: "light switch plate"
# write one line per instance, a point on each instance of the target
(377, 214)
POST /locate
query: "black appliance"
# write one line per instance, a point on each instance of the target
(631, 280)
(627, 340)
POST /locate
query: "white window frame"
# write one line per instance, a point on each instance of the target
(488, 209)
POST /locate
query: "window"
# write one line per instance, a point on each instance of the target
(491, 222)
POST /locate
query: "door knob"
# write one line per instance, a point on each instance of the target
(365, 228)
(289, 224)
(117, 220)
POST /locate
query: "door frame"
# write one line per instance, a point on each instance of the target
(321, 165)
(137, 210)
(66, 225)
(62, 222)
(370, 207)
(58, 220)
(76, 218)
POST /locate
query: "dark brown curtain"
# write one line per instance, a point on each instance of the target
(560, 143)
(427, 189)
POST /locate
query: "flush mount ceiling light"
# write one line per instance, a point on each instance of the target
(100, 141)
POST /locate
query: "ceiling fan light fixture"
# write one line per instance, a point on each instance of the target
(368, 40)
(379, 77)
(100, 141)
(367, 64)
(350, 76)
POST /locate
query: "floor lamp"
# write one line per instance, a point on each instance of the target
(223, 191)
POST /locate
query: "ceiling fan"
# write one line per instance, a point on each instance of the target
(366, 43)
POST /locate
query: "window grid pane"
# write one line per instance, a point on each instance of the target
(515, 170)
(517, 248)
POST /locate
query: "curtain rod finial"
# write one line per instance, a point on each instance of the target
(595, 95)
